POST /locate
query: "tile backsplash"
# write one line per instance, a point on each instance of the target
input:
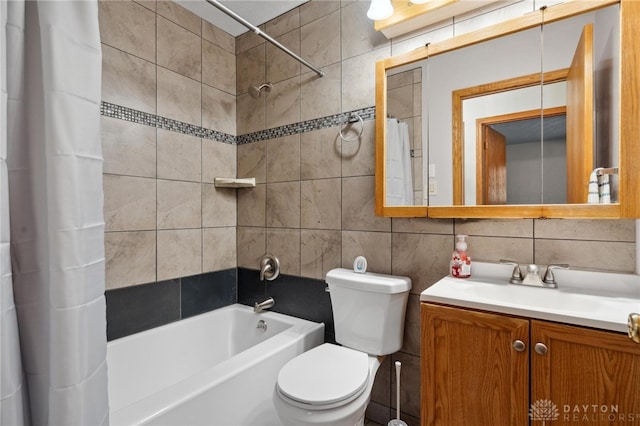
(176, 114)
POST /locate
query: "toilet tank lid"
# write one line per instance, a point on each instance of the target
(369, 281)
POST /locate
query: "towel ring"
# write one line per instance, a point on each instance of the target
(353, 118)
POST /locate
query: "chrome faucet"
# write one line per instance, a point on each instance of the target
(533, 274)
(259, 307)
(269, 267)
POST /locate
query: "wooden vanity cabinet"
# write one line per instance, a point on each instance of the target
(481, 368)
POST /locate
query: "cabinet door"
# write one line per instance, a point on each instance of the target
(471, 373)
(589, 376)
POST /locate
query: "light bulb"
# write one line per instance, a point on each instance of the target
(380, 9)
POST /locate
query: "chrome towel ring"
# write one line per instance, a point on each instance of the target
(353, 118)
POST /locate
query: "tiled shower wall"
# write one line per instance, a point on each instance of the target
(313, 205)
(164, 217)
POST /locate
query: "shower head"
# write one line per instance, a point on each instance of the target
(256, 91)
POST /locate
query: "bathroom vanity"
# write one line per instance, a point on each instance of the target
(496, 353)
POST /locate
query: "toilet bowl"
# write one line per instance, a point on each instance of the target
(331, 383)
(327, 385)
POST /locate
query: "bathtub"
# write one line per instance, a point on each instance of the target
(218, 368)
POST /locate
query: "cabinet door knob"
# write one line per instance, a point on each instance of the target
(519, 345)
(540, 348)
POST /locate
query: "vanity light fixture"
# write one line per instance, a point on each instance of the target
(418, 1)
(379, 10)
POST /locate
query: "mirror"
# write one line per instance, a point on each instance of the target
(454, 172)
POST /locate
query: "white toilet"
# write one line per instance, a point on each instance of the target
(331, 384)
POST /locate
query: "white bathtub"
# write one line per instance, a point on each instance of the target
(217, 368)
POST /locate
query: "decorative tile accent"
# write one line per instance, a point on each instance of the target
(128, 114)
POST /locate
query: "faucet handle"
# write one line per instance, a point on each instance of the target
(516, 275)
(548, 275)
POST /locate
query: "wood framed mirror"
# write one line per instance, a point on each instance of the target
(627, 126)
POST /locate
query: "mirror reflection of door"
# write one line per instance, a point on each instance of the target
(511, 157)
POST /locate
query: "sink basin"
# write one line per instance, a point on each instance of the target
(586, 298)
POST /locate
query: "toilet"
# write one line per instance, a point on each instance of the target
(331, 384)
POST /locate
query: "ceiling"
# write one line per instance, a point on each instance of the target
(523, 131)
(257, 12)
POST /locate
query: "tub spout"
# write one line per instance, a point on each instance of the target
(259, 307)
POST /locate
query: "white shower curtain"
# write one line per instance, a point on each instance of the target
(53, 342)
(398, 171)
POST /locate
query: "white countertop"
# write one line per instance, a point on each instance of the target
(592, 299)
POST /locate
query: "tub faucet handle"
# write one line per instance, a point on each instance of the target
(269, 267)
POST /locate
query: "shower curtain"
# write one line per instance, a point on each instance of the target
(52, 320)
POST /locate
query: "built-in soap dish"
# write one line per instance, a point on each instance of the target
(223, 182)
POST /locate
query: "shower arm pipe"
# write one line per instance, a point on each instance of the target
(262, 34)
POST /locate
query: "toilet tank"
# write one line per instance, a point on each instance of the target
(368, 310)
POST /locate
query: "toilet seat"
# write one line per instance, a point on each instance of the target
(325, 377)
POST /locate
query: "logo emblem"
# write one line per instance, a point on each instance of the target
(543, 409)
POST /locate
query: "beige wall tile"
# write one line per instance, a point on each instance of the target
(358, 200)
(149, 4)
(279, 65)
(358, 79)
(492, 249)
(128, 26)
(374, 246)
(179, 253)
(248, 40)
(252, 161)
(284, 23)
(129, 203)
(320, 40)
(128, 80)
(358, 35)
(179, 204)
(320, 154)
(218, 160)
(219, 68)
(250, 113)
(321, 202)
(178, 97)
(252, 206)
(285, 245)
(283, 205)
(128, 148)
(283, 159)
(179, 156)
(219, 206)
(320, 251)
(313, 10)
(400, 102)
(615, 256)
(218, 110)
(130, 258)
(179, 49)
(283, 104)
(358, 157)
(250, 68)
(599, 230)
(326, 88)
(422, 257)
(219, 38)
(522, 228)
(218, 249)
(422, 225)
(252, 245)
(181, 16)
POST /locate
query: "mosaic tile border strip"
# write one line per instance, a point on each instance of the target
(368, 113)
(135, 116)
(123, 113)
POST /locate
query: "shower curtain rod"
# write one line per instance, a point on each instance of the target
(262, 34)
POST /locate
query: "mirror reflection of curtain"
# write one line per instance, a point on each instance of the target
(399, 177)
(52, 272)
